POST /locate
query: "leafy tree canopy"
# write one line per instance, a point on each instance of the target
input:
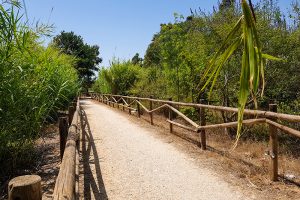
(87, 55)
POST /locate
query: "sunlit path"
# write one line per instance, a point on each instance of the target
(122, 160)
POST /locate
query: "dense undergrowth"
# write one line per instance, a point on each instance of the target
(36, 81)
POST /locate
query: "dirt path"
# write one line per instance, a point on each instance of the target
(123, 160)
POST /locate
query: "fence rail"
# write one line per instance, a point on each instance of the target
(66, 180)
(270, 117)
(29, 186)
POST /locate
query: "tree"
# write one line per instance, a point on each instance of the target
(225, 4)
(136, 60)
(119, 78)
(87, 55)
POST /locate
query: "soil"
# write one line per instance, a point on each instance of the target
(46, 163)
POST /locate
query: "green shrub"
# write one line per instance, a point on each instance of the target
(35, 83)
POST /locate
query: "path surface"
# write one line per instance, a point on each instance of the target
(122, 160)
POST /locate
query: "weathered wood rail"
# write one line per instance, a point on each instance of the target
(270, 117)
(65, 186)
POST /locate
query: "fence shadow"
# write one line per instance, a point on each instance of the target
(93, 187)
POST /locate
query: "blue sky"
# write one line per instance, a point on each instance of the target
(120, 27)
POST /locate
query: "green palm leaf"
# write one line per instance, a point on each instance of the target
(252, 70)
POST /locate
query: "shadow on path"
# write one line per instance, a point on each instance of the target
(94, 187)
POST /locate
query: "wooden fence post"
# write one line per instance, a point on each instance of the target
(170, 116)
(150, 108)
(138, 108)
(123, 107)
(118, 102)
(71, 112)
(74, 104)
(26, 187)
(129, 107)
(202, 123)
(63, 134)
(274, 147)
(113, 101)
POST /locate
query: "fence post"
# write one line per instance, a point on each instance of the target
(170, 116)
(274, 147)
(150, 108)
(63, 134)
(25, 188)
(202, 123)
(74, 104)
(71, 112)
(123, 107)
(138, 107)
(118, 102)
(129, 106)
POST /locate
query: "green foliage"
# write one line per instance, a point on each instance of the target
(136, 60)
(35, 83)
(87, 56)
(252, 69)
(119, 78)
(176, 59)
(188, 45)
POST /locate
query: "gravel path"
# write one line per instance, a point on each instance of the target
(122, 160)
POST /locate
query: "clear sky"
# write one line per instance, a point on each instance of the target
(120, 27)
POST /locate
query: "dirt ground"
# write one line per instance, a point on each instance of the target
(47, 161)
(245, 167)
(131, 163)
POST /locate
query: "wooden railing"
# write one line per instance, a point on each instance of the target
(29, 186)
(65, 185)
(270, 117)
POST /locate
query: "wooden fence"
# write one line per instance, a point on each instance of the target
(29, 186)
(65, 186)
(270, 117)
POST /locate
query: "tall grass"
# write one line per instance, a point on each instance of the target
(35, 82)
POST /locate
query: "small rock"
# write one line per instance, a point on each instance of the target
(289, 176)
